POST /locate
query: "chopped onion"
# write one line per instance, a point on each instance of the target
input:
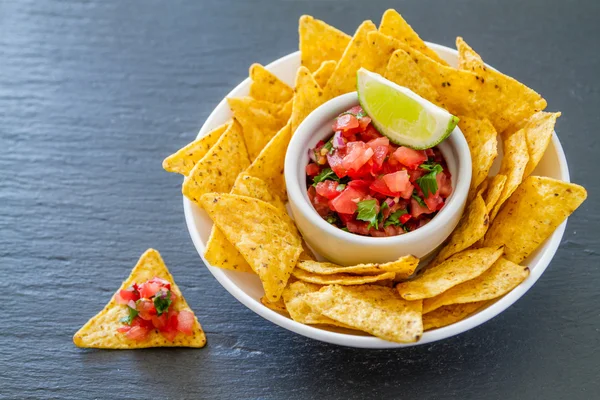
(311, 155)
(131, 304)
(390, 202)
(338, 140)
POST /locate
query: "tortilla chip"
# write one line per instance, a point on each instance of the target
(494, 190)
(261, 233)
(319, 42)
(392, 24)
(481, 137)
(451, 314)
(538, 132)
(324, 72)
(222, 254)
(483, 187)
(286, 111)
(293, 296)
(531, 215)
(259, 120)
(340, 279)
(278, 305)
(308, 97)
(100, 332)
(403, 268)
(185, 158)
(218, 169)
(457, 269)
(467, 57)
(357, 54)
(377, 310)
(472, 226)
(268, 87)
(513, 166)
(402, 70)
(500, 279)
(268, 166)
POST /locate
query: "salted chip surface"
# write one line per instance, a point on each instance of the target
(457, 269)
(513, 166)
(538, 132)
(100, 332)
(392, 24)
(308, 97)
(323, 73)
(377, 310)
(447, 315)
(286, 111)
(467, 57)
(220, 166)
(472, 226)
(531, 215)
(402, 70)
(402, 268)
(500, 279)
(340, 279)
(278, 305)
(319, 42)
(261, 234)
(481, 138)
(357, 54)
(185, 158)
(300, 311)
(494, 190)
(268, 166)
(268, 87)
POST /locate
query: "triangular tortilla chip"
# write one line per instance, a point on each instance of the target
(340, 279)
(259, 120)
(308, 97)
(358, 53)
(538, 132)
(286, 111)
(324, 72)
(101, 331)
(451, 314)
(218, 169)
(392, 24)
(261, 234)
(403, 267)
(402, 69)
(185, 158)
(319, 42)
(467, 57)
(494, 190)
(268, 87)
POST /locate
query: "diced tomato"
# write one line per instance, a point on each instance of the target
(398, 183)
(146, 309)
(416, 174)
(124, 296)
(358, 153)
(345, 203)
(409, 157)
(369, 133)
(416, 209)
(312, 169)
(364, 172)
(380, 141)
(185, 322)
(169, 331)
(355, 110)
(379, 186)
(364, 122)
(429, 152)
(380, 148)
(335, 162)
(359, 227)
(319, 202)
(123, 329)
(137, 333)
(346, 123)
(404, 218)
(359, 184)
(444, 184)
(149, 289)
(160, 322)
(346, 217)
(433, 202)
(328, 189)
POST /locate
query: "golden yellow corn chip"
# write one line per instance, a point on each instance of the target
(402, 69)
(481, 137)
(278, 305)
(403, 268)
(218, 169)
(392, 24)
(285, 113)
(494, 190)
(324, 72)
(358, 53)
(467, 57)
(300, 311)
(101, 331)
(308, 97)
(451, 314)
(260, 121)
(340, 279)
(501, 278)
(538, 132)
(268, 166)
(457, 269)
(531, 215)
(513, 166)
(472, 226)
(377, 310)
(483, 187)
(261, 233)
(268, 87)
(185, 158)
(319, 42)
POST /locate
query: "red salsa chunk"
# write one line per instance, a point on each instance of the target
(361, 183)
(151, 307)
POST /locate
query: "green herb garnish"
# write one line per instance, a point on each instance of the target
(427, 182)
(419, 200)
(326, 174)
(367, 211)
(129, 318)
(162, 301)
(394, 218)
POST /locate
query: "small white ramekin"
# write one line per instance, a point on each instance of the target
(347, 248)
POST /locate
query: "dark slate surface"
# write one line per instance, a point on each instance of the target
(94, 94)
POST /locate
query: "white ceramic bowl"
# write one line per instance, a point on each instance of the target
(347, 248)
(247, 288)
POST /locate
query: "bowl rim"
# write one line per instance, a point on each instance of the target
(297, 192)
(370, 342)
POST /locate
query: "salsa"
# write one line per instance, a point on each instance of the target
(362, 183)
(150, 306)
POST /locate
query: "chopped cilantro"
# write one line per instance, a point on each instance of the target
(329, 145)
(393, 219)
(324, 175)
(345, 229)
(162, 301)
(367, 211)
(129, 318)
(427, 182)
(361, 114)
(419, 200)
(333, 219)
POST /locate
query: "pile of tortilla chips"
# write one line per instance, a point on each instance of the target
(235, 173)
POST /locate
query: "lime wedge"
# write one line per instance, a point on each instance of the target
(400, 114)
